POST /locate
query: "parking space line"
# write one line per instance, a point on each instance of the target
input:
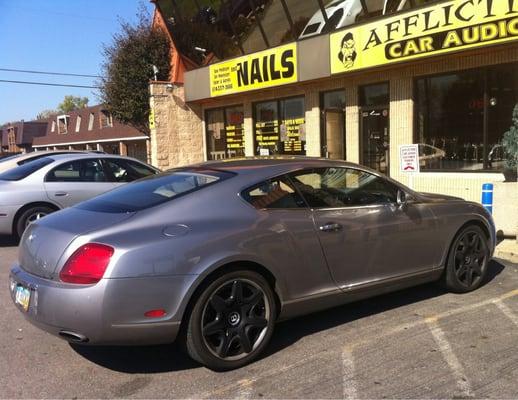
(349, 383)
(507, 311)
(450, 357)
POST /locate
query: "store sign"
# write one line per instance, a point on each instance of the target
(152, 119)
(273, 67)
(409, 158)
(438, 29)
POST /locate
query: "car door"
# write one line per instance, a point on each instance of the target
(121, 171)
(74, 181)
(285, 236)
(364, 234)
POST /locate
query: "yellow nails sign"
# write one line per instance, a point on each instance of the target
(269, 68)
(438, 29)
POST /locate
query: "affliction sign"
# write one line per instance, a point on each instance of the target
(273, 67)
(446, 27)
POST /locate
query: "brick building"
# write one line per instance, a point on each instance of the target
(17, 137)
(92, 128)
(441, 74)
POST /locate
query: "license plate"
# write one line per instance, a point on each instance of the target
(23, 297)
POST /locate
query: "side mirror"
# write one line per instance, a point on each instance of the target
(401, 199)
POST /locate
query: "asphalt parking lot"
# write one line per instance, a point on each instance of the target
(417, 343)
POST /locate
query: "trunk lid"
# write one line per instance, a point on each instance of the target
(44, 242)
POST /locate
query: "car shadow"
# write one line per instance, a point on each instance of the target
(8, 241)
(169, 358)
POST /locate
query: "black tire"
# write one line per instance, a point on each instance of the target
(30, 215)
(231, 321)
(468, 259)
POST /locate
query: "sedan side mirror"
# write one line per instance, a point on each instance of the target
(401, 200)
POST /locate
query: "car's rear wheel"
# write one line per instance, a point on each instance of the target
(468, 260)
(232, 321)
(29, 216)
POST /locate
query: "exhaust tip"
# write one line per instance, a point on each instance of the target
(73, 337)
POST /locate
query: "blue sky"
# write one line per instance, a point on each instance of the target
(56, 36)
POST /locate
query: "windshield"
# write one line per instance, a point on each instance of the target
(24, 170)
(154, 190)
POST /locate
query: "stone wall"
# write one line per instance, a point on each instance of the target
(177, 137)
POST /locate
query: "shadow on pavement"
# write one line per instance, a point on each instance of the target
(168, 358)
(8, 241)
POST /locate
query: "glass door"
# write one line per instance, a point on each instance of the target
(333, 125)
(374, 127)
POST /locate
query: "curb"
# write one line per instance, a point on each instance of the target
(507, 251)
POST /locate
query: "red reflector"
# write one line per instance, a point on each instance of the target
(155, 313)
(87, 265)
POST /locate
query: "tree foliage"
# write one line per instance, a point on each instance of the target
(127, 70)
(46, 114)
(71, 103)
(510, 142)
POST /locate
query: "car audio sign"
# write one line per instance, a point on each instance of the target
(273, 67)
(439, 29)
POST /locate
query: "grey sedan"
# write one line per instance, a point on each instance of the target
(37, 188)
(214, 254)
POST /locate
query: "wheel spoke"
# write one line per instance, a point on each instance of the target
(258, 322)
(469, 277)
(237, 291)
(255, 298)
(216, 326)
(224, 346)
(218, 303)
(245, 341)
(461, 271)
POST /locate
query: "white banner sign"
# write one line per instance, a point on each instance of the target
(409, 158)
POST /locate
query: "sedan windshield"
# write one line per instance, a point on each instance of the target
(154, 190)
(24, 170)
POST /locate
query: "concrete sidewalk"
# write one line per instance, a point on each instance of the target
(507, 249)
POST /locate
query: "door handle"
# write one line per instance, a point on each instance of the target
(60, 194)
(330, 227)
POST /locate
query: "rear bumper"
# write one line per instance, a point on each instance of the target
(108, 313)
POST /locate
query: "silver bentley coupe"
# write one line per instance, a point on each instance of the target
(214, 254)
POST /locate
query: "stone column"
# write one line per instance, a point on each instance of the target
(177, 136)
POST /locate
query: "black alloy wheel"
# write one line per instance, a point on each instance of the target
(232, 321)
(468, 260)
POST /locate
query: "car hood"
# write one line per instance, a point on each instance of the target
(433, 197)
(45, 241)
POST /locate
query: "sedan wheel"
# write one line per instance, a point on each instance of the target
(468, 260)
(232, 321)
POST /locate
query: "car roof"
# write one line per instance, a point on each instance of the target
(247, 165)
(78, 156)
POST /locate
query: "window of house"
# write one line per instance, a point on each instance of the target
(225, 133)
(63, 124)
(91, 121)
(280, 127)
(106, 119)
(78, 123)
(450, 112)
(53, 127)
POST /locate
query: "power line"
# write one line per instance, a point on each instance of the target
(50, 84)
(48, 73)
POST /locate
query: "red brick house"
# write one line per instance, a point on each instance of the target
(17, 137)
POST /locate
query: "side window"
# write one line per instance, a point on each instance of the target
(77, 171)
(274, 193)
(127, 170)
(342, 187)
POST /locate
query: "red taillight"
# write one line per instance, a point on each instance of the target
(87, 265)
(155, 313)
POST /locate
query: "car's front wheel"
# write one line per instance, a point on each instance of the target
(231, 321)
(468, 260)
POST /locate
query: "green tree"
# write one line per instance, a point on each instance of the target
(510, 142)
(127, 70)
(46, 114)
(71, 103)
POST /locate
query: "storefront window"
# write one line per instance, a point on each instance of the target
(225, 133)
(280, 127)
(334, 100)
(450, 112)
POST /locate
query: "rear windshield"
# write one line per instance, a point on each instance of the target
(154, 190)
(23, 171)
